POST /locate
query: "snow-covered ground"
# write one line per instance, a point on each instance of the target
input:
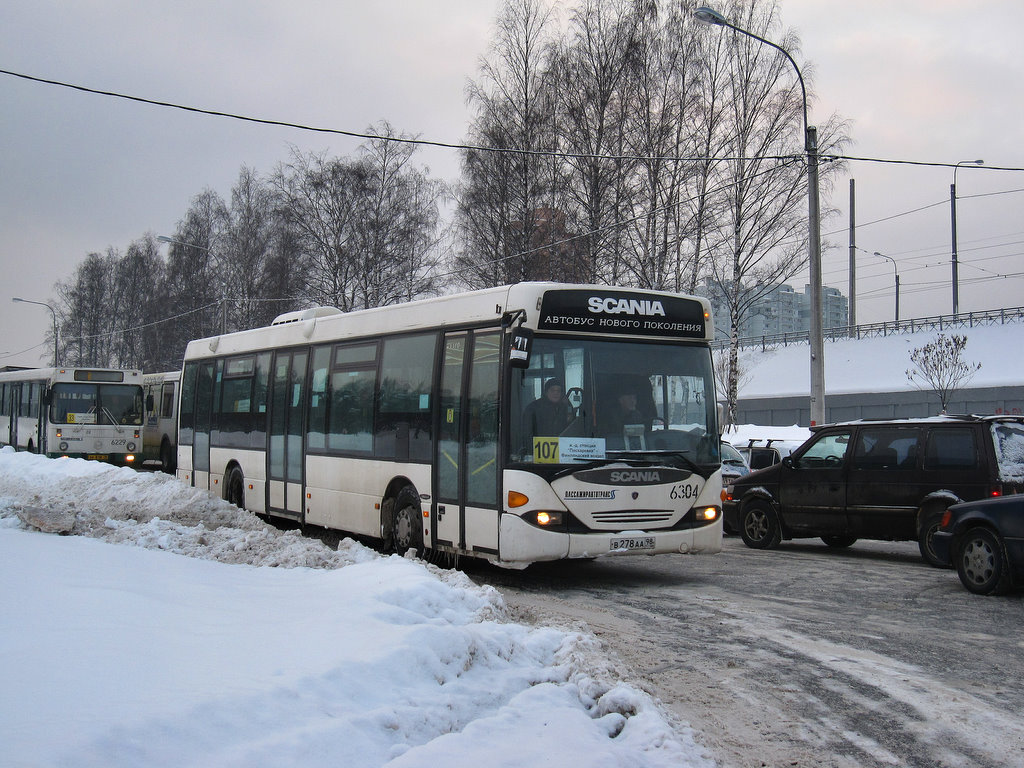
(173, 629)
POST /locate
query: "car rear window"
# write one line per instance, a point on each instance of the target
(1008, 438)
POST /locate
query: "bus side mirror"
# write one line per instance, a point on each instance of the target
(149, 402)
(519, 349)
(47, 396)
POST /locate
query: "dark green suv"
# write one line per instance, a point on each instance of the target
(869, 479)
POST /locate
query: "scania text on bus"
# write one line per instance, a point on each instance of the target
(515, 424)
(88, 413)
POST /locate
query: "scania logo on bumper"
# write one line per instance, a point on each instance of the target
(632, 476)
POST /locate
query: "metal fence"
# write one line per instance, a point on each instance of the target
(872, 330)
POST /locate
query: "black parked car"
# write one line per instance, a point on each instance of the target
(878, 479)
(984, 541)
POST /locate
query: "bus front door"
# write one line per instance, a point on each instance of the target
(284, 438)
(466, 512)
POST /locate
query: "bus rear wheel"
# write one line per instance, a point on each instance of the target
(167, 458)
(236, 488)
(407, 522)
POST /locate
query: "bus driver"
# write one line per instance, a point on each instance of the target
(549, 414)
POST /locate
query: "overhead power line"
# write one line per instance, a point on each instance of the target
(461, 146)
(375, 136)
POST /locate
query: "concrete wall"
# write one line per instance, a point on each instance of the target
(784, 411)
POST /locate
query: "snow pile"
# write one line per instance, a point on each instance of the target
(133, 655)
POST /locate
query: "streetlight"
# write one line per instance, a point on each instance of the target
(897, 275)
(56, 359)
(952, 215)
(817, 345)
(223, 284)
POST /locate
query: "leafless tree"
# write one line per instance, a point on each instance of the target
(939, 366)
(83, 312)
(507, 194)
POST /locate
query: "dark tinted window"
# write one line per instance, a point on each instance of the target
(951, 448)
(350, 393)
(404, 412)
(886, 448)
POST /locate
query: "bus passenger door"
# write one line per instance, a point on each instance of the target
(284, 438)
(14, 406)
(466, 452)
(201, 440)
(448, 458)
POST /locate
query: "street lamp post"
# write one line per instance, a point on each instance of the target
(952, 216)
(896, 274)
(56, 358)
(817, 345)
(223, 284)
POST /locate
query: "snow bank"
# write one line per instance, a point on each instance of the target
(133, 655)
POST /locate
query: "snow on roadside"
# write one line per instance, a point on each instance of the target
(263, 647)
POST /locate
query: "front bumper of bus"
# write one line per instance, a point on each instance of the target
(521, 542)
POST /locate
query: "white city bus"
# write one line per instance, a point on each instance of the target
(160, 433)
(89, 413)
(406, 423)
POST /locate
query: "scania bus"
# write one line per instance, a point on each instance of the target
(89, 413)
(411, 423)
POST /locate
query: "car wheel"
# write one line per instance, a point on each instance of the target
(407, 528)
(759, 526)
(839, 542)
(981, 562)
(929, 525)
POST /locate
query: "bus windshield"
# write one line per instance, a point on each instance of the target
(79, 403)
(584, 400)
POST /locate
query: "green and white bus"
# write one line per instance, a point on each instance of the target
(88, 413)
(410, 423)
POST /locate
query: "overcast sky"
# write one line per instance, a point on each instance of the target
(921, 80)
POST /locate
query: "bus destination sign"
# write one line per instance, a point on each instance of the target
(622, 312)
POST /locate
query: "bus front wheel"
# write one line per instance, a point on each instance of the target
(407, 522)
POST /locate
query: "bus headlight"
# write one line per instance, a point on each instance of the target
(707, 514)
(545, 518)
(130, 447)
(63, 447)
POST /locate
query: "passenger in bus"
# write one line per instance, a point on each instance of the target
(549, 414)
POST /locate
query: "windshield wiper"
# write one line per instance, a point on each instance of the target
(681, 455)
(113, 421)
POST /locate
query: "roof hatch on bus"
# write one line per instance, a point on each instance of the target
(305, 314)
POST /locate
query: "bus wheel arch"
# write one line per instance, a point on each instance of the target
(234, 485)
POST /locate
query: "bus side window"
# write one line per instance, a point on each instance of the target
(167, 402)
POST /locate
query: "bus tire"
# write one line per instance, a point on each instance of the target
(168, 460)
(235, 488)
(407, 522)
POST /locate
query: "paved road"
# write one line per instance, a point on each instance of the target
(803, 656)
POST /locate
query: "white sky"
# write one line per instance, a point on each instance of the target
(920, 80)
(227, 642)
